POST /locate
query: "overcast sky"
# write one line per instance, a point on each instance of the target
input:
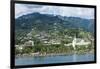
(24, 9)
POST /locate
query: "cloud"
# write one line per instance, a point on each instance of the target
(23, 9)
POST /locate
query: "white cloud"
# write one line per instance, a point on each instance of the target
(23, 9)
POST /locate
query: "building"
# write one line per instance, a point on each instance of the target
(78, 42)
(20, 47)
(29, 43)
(54, 41)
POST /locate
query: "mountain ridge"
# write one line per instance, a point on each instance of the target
(46, 22)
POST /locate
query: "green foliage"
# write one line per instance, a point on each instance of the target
(66, 29)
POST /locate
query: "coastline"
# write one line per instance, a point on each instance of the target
(52, 54)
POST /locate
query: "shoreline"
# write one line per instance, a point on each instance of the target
(53, 54)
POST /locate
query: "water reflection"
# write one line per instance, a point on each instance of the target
(74, 57)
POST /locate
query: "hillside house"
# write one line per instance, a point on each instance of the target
(29, 43)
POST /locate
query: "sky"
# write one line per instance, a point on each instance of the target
(24, 9)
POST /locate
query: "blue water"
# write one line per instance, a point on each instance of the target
(53, 59)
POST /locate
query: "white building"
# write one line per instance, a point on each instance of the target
(29, 43)
(20, 47)
(54, 41)
(78, 42)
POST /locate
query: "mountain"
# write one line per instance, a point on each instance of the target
(45, 22)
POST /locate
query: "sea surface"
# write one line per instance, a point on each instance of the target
(32, 60)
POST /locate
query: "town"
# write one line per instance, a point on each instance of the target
(55, 43)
